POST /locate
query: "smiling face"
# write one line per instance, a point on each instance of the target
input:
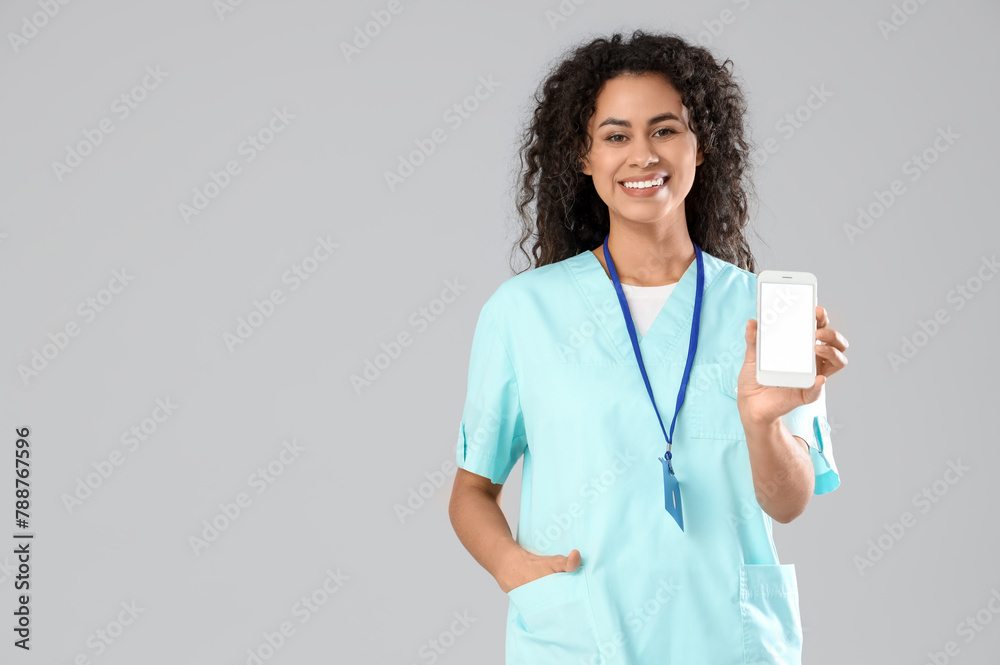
(639, 132)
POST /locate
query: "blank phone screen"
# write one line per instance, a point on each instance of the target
(786, 323)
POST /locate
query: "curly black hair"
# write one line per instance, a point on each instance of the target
(571, 216)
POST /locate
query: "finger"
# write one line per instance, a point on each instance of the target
(572, 562)
(832, 355)
(822, 320)
(831, 337)
(832, 360)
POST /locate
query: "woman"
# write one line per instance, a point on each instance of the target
(636, 154)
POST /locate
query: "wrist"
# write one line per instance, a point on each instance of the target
(511, 558)
(751, 418)
(756, 422)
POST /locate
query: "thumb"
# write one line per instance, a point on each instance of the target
(812, 394)
(750, 337)
(566, 564)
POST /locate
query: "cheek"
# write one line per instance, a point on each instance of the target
(603, 174)
(602, 164)
(605, 190)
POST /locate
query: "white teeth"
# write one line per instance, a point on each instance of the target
(644, 184)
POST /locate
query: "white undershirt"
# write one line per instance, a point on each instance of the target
(645, 302)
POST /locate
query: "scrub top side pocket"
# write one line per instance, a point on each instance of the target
(491, 434)
(553, 621)
(769, 608)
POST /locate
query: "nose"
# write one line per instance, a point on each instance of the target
(642, 153)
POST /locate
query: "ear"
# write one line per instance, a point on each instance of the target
(700, 157)
(585, 166)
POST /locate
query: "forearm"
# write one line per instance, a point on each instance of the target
(482, 528)
(783, 476)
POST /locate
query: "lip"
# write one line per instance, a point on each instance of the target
(649, 191)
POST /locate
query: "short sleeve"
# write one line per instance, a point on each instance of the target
(810, 424)
(491, 436)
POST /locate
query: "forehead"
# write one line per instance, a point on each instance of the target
(638, 97)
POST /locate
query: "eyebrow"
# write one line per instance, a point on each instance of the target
(652, 121)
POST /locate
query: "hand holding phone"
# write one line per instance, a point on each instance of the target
(786, 329)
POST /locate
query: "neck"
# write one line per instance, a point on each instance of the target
(648, 255)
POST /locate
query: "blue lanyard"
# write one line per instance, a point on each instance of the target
(670, 486)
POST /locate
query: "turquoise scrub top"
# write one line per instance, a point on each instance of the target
(553, 378)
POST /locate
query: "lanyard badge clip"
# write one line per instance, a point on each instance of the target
(672, 492)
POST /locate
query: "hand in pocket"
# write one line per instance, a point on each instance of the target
(530, 567)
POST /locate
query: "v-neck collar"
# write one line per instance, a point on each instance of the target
(672, 324)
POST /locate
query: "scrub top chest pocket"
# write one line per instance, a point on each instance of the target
(711, 395)
(552, 621)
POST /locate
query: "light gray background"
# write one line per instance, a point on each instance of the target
(334, 507)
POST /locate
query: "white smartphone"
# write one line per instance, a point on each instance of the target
(786, 329)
